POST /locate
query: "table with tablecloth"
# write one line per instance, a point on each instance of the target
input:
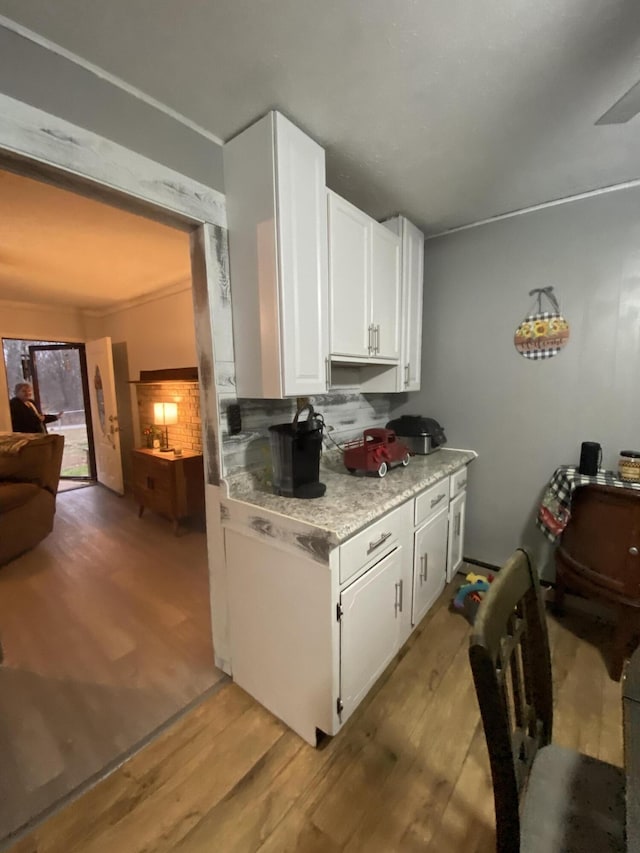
(555, 510)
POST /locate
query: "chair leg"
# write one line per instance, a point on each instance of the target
(626, 629)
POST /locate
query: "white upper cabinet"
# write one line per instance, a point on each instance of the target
(276, 208)
(349, 275)
(385, 292)
(364, 285)
(412, 240)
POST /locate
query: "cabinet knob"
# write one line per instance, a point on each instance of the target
(633, 551)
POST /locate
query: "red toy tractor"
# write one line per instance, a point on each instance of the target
(375, 451)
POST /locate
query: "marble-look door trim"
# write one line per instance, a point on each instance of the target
(34, 134)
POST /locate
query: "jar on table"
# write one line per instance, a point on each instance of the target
(629, 465)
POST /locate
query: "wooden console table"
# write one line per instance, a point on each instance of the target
(169, 485)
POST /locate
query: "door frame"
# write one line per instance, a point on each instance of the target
(84, 378)
(42, 146)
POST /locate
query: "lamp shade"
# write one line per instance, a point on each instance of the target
(165, 414)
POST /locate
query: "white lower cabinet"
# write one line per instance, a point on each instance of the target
(429, 563)
(456, 534)
(309, 633)
(370, 628)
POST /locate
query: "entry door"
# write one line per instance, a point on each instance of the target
(59, 376)
(104, 413)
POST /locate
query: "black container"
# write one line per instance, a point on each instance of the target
(295, 456)
(590, 458)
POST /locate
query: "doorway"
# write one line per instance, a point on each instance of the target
(58, 373)
(106, 625)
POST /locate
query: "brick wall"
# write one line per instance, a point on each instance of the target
(187, 433)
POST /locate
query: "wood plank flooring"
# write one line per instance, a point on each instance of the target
(409, 772)
(106, 630)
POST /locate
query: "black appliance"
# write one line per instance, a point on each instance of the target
(295, 456)
(421, 435)
(590, 458)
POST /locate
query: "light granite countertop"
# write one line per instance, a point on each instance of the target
(352, 501)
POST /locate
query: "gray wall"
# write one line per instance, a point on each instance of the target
(36, 76)
(525, 418)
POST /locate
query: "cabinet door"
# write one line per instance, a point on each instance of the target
(349, 259)
(370, 628)
(413, 286)
(430, 563)
(385, 291)
(302, 261)
(456, 534)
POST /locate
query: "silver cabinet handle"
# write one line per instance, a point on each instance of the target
(633, 551)
(425, 563)
(378, 542)
(399, 596)
(327, 365)
(370, 338)
(437, 500)
(421, 567)
(458, 523)
(406, 375)
(377, 339)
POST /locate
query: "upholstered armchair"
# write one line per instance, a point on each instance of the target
(29, 474)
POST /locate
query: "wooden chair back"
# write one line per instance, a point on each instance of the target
(511, 665)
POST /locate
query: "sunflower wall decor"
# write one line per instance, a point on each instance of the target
(542, 334)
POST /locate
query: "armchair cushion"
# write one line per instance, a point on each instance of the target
(13, 495)
(38, 461)
(29, 477)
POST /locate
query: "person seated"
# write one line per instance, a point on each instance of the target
(25, 416)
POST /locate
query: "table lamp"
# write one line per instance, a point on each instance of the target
(165, 414)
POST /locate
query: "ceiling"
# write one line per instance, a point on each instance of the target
(60, 248)
(450, 111)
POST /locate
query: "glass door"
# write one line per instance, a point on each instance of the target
(59, 374)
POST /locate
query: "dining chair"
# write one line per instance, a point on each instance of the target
(547, 798)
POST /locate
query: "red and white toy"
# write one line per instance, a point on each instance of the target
(375, 452)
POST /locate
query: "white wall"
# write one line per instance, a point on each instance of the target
(38, 323)
(151, 335)
(526, 418)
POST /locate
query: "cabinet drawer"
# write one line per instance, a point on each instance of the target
(458, 482)
(432, 500)
(373, 542)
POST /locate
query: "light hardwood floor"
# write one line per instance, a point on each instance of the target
(409, 772)
(106, 631)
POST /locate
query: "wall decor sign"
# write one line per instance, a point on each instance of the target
(542, 334)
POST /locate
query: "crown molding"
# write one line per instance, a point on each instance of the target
(107, 76)
(612, 188)
(44, 307)
(127, 304)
